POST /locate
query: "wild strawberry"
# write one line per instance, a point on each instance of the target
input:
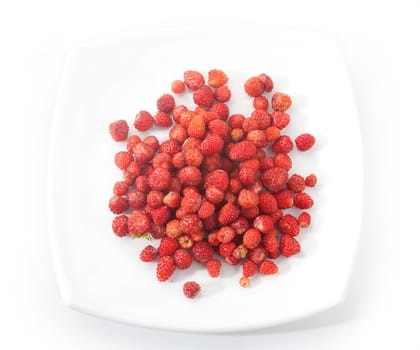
(247, 198)
(272, 133)
(248, 176)
(192, 156)
(213, 267)
(240, 225)
(274, 254)
(178, 133)
(214, 195)
(185, 241)
(268, 267)
(156, 231)
(212, 239)
(212, 143)
(304, 142)
(162, 119)
(169, 146)
(191, 289)
(268, 82)
(167, 246)
(218, 178)
(311, 180)
(196, 127)
(262, 117)
(296, 183)
(203, 97)
(217, 78)
(138, 223)
(190, 175)
(267, 203)
(193, 79)
(282, 145)
(118, 130)
(280, 119)
(119, 225)
(165, 103)
(226, 249)
(251, 238)
(182, 259)
(178, 160)
(136, 200)
(162, 160)
(191, 202)
(225, 234)
(142, 153)
(257, 255)
(282, 160)
(250, 124)
(144, 121)
(304, 219)
(221, 109)
(288, 245)
(120, 188)
(237, 134)
(122, 159)
(155, 198)
(228, 213)
(159, 179)
(118, 204)
(303, 201)
(260, 102)
(202, 251)
(280, 101)
(160, 215)
(244, 282)
(222, 94)
(133, 169)
(289, 224)
(250, 213)
(141, 184)
(178, 86)
(219, 127)
(249, 268)
(165, 268)
(240, 252)
(190, 224)
(132, 141)
(149, 253)
(242, 151)
(258, 138)
(274, 179)
(235, 185)
(270, 242)
(254, 87)
(263, 223)
(236, 120)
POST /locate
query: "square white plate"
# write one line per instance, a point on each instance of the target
(100, 274)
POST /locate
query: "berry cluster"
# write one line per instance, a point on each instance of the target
(218, 189)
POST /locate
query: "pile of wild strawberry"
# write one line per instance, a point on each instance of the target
(218, 188)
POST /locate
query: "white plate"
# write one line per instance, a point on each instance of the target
(100, 274)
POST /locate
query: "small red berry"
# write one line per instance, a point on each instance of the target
(267, 81)
(149, 253)
(254, 87)
(165, 103)
(119, 130)
(217, 78)
(288, 245)
(144, 121)
(296, 183)
(191, 289)
(120, 188)
(202, 251)
(118, 204)
(304, 219)
(304, 142)
(163, 119)
(228, 213)
(249, 268)
(303, 200)
(183, 259)
(122, 159)
(165, 268)
(178, 86)
(193, 79)
(222, 93)
(119, 225)
(274, 179)
(251, 238)
(283, 144)
(138, 223)
(244, 282)
(268, 267)
(311, 180)
(280, 101)
(213, 267)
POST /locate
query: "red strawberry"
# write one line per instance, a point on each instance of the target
(289, 245)
(191, 289)
(182, 258)
(268, 267)
(149, 253)
(213, 267)
(165, 268)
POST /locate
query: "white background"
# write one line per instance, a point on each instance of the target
(380, 46)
